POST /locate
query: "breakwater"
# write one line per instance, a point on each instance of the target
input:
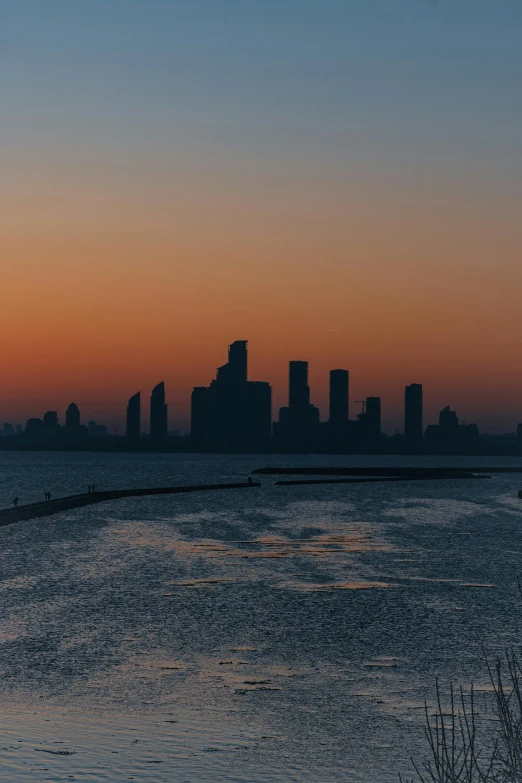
(48, 508)
(386, 472)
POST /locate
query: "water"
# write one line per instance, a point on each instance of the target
(280, 634)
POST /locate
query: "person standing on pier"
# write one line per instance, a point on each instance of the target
(16, 501)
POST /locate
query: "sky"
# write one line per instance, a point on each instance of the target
(334, 180)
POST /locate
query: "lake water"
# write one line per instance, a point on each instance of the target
(274, 634)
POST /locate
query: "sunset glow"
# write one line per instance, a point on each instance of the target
(180, 184)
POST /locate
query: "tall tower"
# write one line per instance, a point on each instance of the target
(448, 421)
(339, 396)
(72, 417)
(413, 428)
(234, 373)
(298, 388)
(232, 411)
(134, 419)
(238, 360)
(372, 417)
(158, 414)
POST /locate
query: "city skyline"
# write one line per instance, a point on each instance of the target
(223, 400)
(349, 199)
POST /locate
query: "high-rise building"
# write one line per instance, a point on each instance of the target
(200, 415)
(450, 437)
(159, 428)
(298, 423)
(134, 419)
(413, 427)
(339, 396)
(298, 388)
(257, 416)
(232, 412)
(50, 420)
(372, 418)
(235, 371)
(34, 427)
(97, 430)
(72, 418)
(448, 422)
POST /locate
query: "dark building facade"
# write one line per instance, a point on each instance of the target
(298, 424)
(232, 412)
(298, 388)
(72, 418)
(159, 426)
(50, 420)
(74, 431)
(335, 433)
(372, 419)
(413, 416)
(200, 415)
(450, 437)
(339, 396)
(133, 429)
(448, 423)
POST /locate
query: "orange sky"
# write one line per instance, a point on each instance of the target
(336, 182)
(112, 282)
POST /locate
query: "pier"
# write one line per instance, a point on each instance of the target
(387, 472)
(55, 506)
(381, 479)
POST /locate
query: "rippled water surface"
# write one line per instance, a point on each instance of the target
(273, 634)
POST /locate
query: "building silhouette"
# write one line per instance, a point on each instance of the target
(232, 412)
(339, 397)
(413, 417)
(298, 388)
(34, 428)
(201, 422)
(448, 423)
(50, 420)
(451, 437)
(335, 433)
(74, 432)
(159, 428)
(298, 425)
(372, 419)
(97, 430)
(133, 428)
(72, 418)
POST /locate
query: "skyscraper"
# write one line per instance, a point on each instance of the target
(372, 418)
(298, 388)
(298, 424)
(413, 427)
(232, 412)
(50, 420)
(158, 414)
(72, 418)
(134, 419)
(448, 422)
(339, 396)
(200, 415)
(235, 371)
